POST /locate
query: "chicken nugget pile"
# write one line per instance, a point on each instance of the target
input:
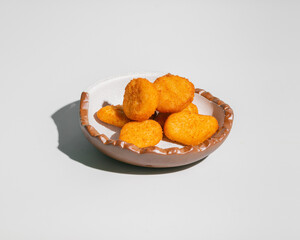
(165, 106)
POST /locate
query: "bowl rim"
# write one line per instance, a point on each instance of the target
(218, 137)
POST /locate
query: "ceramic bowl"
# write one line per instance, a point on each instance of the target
(165, 153)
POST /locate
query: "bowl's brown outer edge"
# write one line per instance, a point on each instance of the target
(218, 137)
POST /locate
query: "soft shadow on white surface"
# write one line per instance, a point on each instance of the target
(72, 142)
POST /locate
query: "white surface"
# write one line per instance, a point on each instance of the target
(245, 52)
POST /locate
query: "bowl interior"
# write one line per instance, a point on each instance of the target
(111, 92)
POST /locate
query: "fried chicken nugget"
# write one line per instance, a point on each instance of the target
(113, 115)
(162, 117)
(140, 99)
(175, 93)
(142, 134)
(190, 128)
(191, 108)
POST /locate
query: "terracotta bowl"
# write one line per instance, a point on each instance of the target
(164, 154)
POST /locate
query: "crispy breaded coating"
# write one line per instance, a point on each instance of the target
(142, 134)
(190, 128)
(175, 93)
(113, 115)
(191, 108)
(162, 117)
(140, 99)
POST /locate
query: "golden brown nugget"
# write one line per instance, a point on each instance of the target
(113, 115)
(191, 108)
(142, 134)
(190, 128)
(175, 93)
(140, 99)
(162, 117)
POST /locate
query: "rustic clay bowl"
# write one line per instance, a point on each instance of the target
(164, 154)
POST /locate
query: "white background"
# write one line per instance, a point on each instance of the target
(55, 185)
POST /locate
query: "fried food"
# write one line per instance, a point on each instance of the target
(190, 128)
(191, 108)
(172, 97)
(142, 134)
(175, 93)
(113, 115)
(162, 117)
(140, 99)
